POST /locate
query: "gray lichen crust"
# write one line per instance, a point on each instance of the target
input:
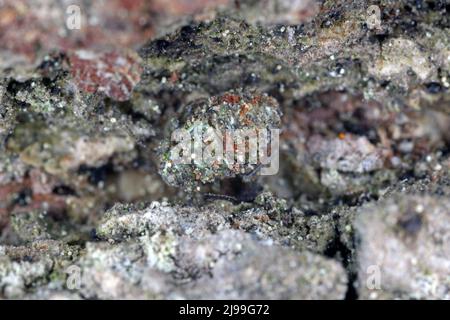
(407, 239)
(162, 251)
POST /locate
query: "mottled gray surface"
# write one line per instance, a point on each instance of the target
(91, 207)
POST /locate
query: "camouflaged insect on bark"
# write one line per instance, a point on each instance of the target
(226, 116)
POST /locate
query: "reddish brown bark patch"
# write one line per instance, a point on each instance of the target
(113, 73)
